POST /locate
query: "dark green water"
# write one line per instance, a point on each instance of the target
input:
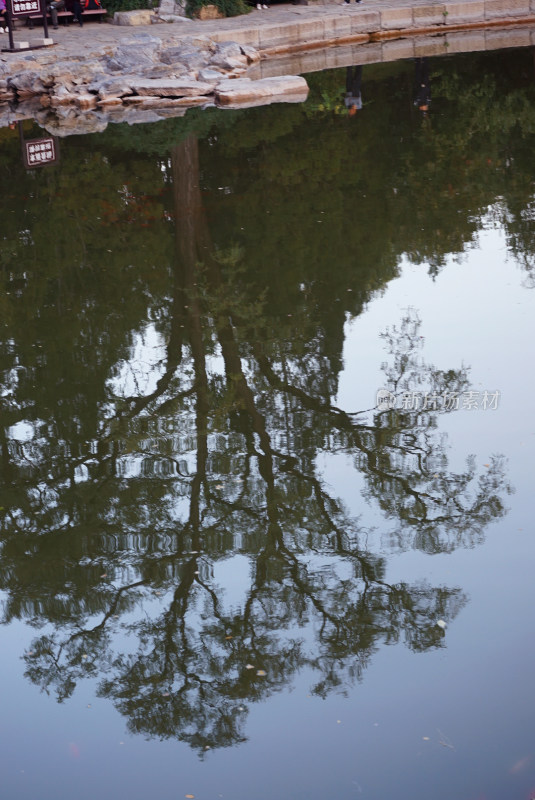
(223, 572)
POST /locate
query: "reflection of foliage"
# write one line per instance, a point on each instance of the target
(242, 468)
(177, 419)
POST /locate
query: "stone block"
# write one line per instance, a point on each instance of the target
(336, 57)
(240, 35)
(396, 18)
(243, 90)
(371, 53)
(365, 22)
(500, 40)
(313, 61)
(397, 49)
(48, 42)
(430, 46)
(465, 12)
(174, 87)
(166, 7)
(275, 67)
(277, 35)
(21, 45)
(469, 42)
(425, 16)
(337, 27)
(141, 16)
(311, 30)
(503, 9)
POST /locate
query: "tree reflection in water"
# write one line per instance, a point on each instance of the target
(113, 547)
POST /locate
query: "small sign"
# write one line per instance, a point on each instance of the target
(38, 152)
(20, 8)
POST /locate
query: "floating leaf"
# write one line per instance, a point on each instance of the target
(441, 624)
(249, 666)
(261, 672)
(425, 738)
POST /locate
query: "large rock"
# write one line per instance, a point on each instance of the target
(171, 18)
(188, 56)
(165, 102)
(213, 76)
(27, 83)
(209, 12)
(69, 122)
(112, 87)
(141, 16)
(135, 115)
(164, 71)
(252, 55)
(178, 87)
(233, 62)
(228, 49)
(243, 91)
(137, 52)
(229, 55)
(170, 8)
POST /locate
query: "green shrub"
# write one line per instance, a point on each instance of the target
(127, 5)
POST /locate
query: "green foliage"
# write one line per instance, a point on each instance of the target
(128, 5)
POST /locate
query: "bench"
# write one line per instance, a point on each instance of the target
(67, 16)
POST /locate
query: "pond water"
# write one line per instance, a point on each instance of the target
(224, 571)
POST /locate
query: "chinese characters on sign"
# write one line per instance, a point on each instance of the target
(469, 400)
(22, 7)
(38, 152)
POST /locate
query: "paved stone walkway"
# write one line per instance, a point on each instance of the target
(283, 24)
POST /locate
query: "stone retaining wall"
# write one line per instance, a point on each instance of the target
(352, 54)
(378, 23)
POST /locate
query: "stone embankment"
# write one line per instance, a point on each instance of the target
(108, 73)
(142, 71)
